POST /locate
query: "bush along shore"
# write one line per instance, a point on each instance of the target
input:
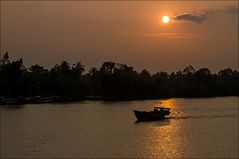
(112, 81)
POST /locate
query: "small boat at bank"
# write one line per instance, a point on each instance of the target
(159, 113)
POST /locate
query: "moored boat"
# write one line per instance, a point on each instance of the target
(159, 113)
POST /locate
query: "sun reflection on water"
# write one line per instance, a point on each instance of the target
(166, 141)
(165, 136)
(170, 103)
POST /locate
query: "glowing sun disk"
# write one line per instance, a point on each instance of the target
(165, 19)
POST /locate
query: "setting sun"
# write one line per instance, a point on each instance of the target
(165, 19)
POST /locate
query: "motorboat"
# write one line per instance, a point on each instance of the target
(158, 113)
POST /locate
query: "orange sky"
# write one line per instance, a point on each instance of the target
(127, 32)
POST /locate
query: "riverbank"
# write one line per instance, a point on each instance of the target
(41, 100)
(64, 99)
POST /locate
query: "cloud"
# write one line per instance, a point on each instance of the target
(163, 35)
(200, 18)
(192, 17)
(232, 10)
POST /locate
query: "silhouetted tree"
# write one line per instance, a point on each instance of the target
(78, 69)
(5, 59)
(112, 81)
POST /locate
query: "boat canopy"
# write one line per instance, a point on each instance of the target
(161, 108)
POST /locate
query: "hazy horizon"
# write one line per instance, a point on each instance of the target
(201, 34)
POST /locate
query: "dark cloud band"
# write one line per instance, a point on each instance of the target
(192, 17)
(200, 18)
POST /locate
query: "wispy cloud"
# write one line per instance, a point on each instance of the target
(232, 10)
(162, 35)
(192, 17)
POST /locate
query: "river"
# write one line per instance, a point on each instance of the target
(198, 127)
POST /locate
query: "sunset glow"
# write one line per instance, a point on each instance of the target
(125, 79)
(139, 34)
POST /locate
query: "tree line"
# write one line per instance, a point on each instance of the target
(112, 81)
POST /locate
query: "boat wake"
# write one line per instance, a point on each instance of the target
(202, 116)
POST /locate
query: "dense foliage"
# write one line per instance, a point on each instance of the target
(112, 81)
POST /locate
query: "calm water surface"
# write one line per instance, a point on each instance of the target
(203, 128)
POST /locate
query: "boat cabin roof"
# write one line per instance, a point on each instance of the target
(161, 108)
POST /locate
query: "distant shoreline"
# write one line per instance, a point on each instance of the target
(112, 82)
(56, 99)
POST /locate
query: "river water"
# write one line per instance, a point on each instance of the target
(198, 127)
